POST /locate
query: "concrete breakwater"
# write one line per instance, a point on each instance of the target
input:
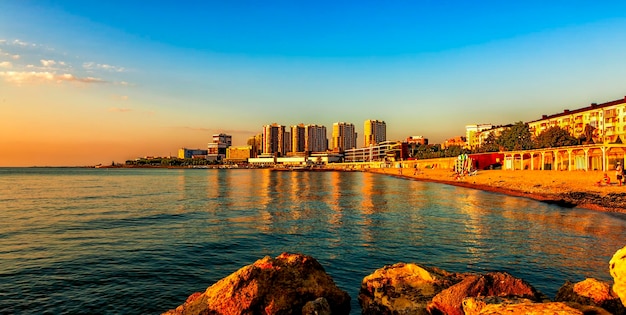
(298, 284)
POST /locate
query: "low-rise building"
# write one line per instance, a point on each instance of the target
(239, 154)
(185, 153)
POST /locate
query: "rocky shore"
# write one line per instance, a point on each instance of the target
(298, 284)
(566, 188)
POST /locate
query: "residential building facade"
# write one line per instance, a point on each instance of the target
(473, 135)
(298, 138)
(344, 137)
(275, 138)
(316, 138)
(420, 140)
(374, 132)
(604, 123)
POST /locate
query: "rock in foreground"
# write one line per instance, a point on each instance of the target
(281, 285)
(617, 268)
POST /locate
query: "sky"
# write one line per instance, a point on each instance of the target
(92, 82)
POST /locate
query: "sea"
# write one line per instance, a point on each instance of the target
(140, 241)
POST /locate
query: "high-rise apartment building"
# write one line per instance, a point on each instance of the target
(298, 138)
(308, 138)
(316, 138)
(274, 139)
(344, 136)
(374, 132)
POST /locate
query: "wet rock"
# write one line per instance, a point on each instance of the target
(403, 289)
(281, 285)
(318, 307)
(591, 292)
(498, 284)
(617, 268)
(497, 306)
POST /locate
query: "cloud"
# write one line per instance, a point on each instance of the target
(26, 77)
(40, 64)
(6, 54)
(99, 66)
(18, 42)
(47, 63)
(120, 110)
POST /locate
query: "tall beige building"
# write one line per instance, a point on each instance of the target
(274, 139)
(316, 139)
(344, 137)
(374, 132)
(298, 138)
(309, 138)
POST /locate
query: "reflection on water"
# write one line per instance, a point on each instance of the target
(159, 235)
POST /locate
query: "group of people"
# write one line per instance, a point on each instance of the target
(619, 176)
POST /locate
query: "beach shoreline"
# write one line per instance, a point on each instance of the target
(564, 188)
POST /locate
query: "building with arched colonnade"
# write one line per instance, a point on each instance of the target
(581, 157)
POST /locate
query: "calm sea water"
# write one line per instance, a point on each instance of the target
(126, 241)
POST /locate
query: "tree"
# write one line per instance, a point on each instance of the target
(516, 137)
(555, 137)
(490, 144)
(587, 136)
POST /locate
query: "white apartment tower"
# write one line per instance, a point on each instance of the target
(374, 132)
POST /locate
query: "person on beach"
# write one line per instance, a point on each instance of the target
(619, 173)
(605, 181)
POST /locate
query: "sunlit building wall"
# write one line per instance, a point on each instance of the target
(217, 148)
(473, 135)
(298, 138)
(274, 138)
(238, 154)
(606, 122)
(344, 136)
(184, 153)
(374, 132)
(256, 142)
(417, 140)
(316, 139)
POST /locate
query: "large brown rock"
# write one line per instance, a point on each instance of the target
(499, 284)
(617, 268)
(477, 306)
(591, 292)
(269, 286)
(403, 289)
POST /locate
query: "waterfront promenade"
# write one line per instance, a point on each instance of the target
(570, 188)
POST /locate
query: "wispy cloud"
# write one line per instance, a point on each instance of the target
(99, 66)
(32, 77)
(120, 110)
(32, 63)
(6, 54)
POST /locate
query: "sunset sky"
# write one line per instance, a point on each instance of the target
(89, 82)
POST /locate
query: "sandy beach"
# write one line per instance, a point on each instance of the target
(567, 188)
